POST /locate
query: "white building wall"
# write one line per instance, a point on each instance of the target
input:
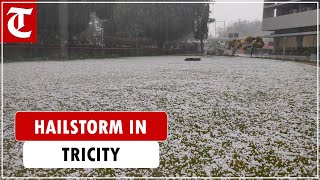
(303, 19)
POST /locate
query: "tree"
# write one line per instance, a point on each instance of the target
(160, 23)
(122, 24)
(234, 45)
(200, 23)
(93, 34)
(166, 22)
(59, 23)
(253, 43)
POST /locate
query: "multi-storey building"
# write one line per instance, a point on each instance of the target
(294, 26)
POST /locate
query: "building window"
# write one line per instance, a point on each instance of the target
(310, 41)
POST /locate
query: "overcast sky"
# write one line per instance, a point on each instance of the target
(231, 12)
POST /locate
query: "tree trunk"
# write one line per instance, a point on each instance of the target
(201, 45)
(63, 30)
(234, 50)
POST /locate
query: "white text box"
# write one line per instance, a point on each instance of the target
(106, 154)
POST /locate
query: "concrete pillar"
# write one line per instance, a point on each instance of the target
(284, 48)
(299, 40)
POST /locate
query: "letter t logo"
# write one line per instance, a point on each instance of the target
(19, 22)
(19, 12)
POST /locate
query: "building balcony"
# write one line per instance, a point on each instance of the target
(303, 19)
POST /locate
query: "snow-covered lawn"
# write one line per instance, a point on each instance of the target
(227, 116)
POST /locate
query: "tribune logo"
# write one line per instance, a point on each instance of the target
(20, 22)
(19, 12)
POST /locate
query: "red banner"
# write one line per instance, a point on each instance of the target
(91, 126)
